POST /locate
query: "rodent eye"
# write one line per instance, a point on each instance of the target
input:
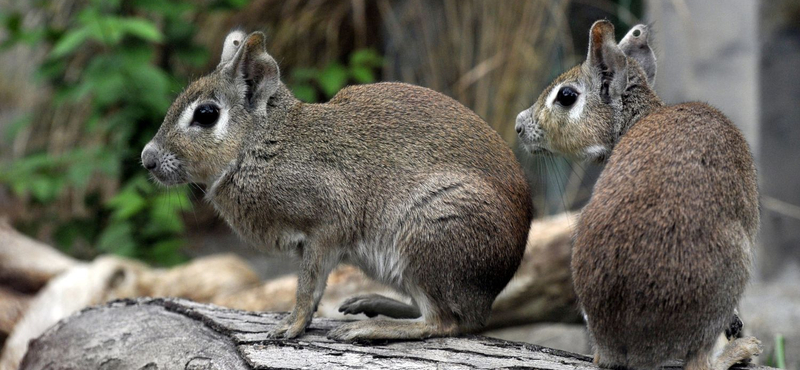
(205, 115)
(567, 96)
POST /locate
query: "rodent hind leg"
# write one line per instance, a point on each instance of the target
(315, 267)
(740, 349)
(375, 304)
(433, 324)
(369, 330)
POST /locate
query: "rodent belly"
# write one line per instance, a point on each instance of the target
(380, 261)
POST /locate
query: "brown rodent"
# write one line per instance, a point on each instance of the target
(403, 182)
(663, 250)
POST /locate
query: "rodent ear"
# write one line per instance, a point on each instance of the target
(254, 69)
(230, 46)
(606, 59)
(635, 45)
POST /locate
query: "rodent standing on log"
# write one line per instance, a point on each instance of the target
(403, 182)
(663, 250)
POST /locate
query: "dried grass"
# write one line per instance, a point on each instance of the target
(495, 57)
(492, 56)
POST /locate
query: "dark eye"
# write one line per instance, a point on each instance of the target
(566, 96)
(205, 115)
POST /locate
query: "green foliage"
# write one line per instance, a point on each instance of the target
(119, 57)
(129, 82)
(777, 358)
(307, 83)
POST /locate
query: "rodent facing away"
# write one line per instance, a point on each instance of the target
(403, 182)
(663, 249)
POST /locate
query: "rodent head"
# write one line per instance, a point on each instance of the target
(583, 112)
(206, 125)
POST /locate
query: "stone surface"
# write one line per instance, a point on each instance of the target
(708, 51)
(779, 151)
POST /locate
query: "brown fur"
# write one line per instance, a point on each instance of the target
(663, 249)
(401, 181)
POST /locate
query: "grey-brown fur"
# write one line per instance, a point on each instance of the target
(401, 181)
(663, 250)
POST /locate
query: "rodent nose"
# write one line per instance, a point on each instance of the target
(150, 163)
(149, 158)
(520, 123)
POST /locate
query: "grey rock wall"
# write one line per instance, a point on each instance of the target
(779, 159)
(743, 56)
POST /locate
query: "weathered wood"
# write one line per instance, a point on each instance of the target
(178, 334)
(540, 291)
(26, 264)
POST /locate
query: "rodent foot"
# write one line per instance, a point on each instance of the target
(288, 328)
(345, 332)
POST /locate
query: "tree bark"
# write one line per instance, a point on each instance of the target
(180, 334)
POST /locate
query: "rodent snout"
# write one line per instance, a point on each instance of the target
(520, 124)
(150, 157)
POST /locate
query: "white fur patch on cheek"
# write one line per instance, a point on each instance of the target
(185, 120)
(576, 111)
(551, 97)
(221, 128)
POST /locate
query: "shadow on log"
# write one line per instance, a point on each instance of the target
(175, 333)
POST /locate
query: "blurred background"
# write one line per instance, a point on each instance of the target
(84, 84)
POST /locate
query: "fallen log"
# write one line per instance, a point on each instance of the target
(26, 264)
(540, 291)
(176, 333)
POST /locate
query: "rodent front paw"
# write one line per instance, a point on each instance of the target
(358, 304)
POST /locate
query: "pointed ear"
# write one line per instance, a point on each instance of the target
(606, 58)
(635, 45)
(230, 46)
(254, 70)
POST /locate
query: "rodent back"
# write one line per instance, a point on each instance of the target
(391, 127)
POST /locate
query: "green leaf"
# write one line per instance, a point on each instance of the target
(362, 75)
(151, 88)
(366, 58)
(80, 172)
(305, 92)
(44, 189)
(141, 28)
(67, 233)
(167, 252)
(332, 79)
(117, 238)
(69, 42)
(165, 214)
(17, 124)
(304, 74)
(236, 4)
(126, 204)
